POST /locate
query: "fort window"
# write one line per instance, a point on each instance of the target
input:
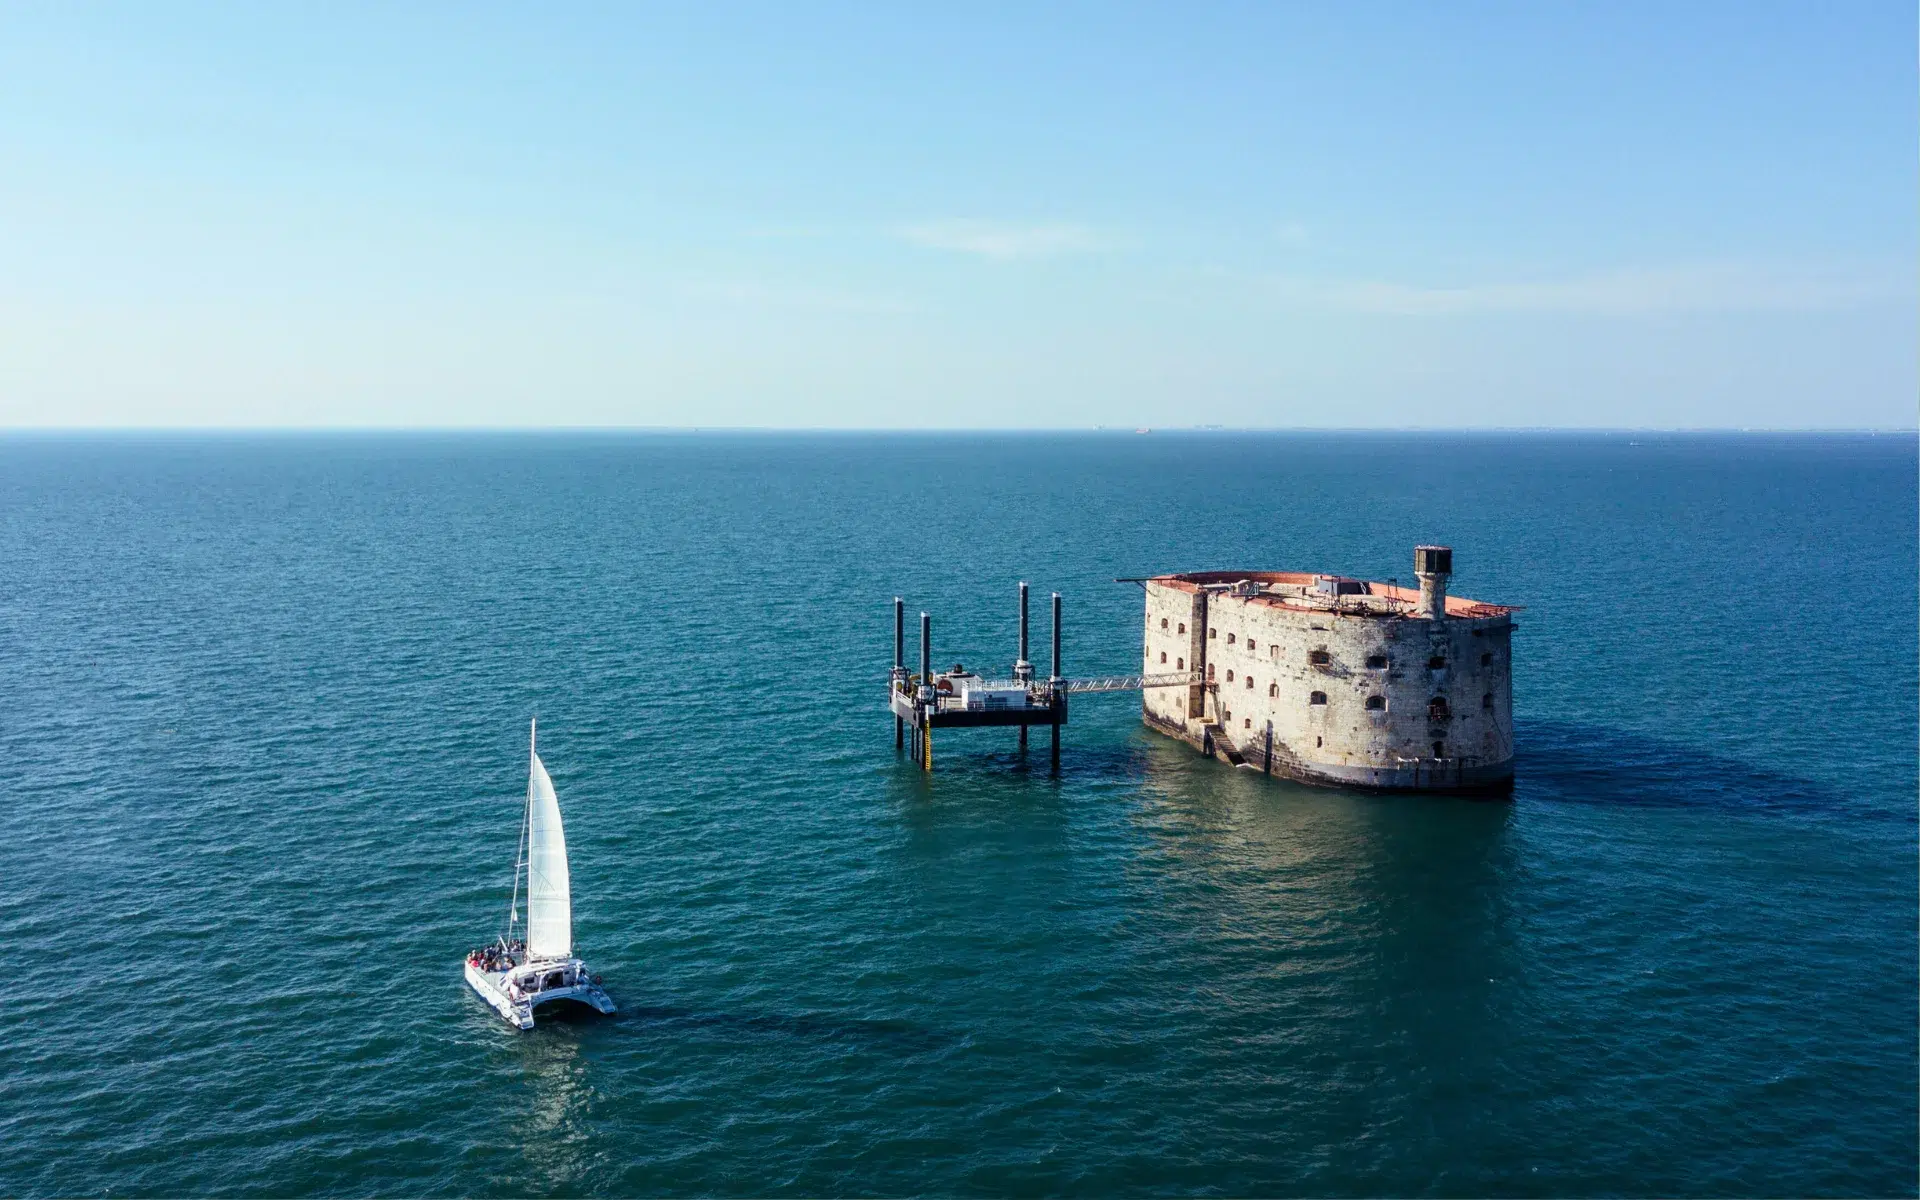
(1229, 676)
(1376, 703)
(1437, 708)
(1486, 660)
(1163, 656)
(1213, 633)
(1163, 622)
(1273, 690)
(1247, 724)
(1439, 749)
(1273, 649)
(1437, 663)
(1376, 662)
(1319, 741)
(1183, 627)
(1319, 658)
(1209, 670)
(1179, 664)
(1252, 645)
(1486, 701)
(1249, 683)
(1317, 698)
(1229, 639)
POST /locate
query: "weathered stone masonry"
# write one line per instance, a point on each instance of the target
(1334, 680)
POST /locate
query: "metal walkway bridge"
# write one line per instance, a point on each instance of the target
(1132, 683)
(1101, 683)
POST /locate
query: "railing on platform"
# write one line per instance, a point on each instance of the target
(1037, 689)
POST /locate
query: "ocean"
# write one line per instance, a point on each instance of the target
(264, 747)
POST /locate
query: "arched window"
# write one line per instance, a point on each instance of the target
(1229, 639)
(1229, 676)
(1437, 663)
(1213, 633)
(1273, 691)
(1437, 708)
(1163, 622)
(1247, 723)
(1209, 670)
(1486, 701)
(1179, 664)
(1183, 627)
(1317, 698)
(1163, 656)
(1252, 645)
(1249, 683)
(1376, 662)
(1376, 703)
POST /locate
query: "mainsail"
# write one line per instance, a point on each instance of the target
(549, 893)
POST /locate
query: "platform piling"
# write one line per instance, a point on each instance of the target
(899, 663)
(1022, 669)
(926, 693)
(1055, 681)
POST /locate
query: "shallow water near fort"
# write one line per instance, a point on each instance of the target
(265, 761)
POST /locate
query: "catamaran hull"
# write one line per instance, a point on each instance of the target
(519, 1013)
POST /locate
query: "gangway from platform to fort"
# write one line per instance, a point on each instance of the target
(1131, 683)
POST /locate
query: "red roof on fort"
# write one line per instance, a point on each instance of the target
(1193, 581)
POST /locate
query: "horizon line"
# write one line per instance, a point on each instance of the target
(1137, 431)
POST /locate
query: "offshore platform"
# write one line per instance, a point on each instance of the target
(959, 699)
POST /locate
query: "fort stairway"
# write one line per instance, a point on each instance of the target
(1214, 737)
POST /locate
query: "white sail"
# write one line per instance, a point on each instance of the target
(549, 892)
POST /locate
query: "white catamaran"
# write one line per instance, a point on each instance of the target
(514, 976)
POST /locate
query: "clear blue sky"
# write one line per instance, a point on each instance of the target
(917, 215)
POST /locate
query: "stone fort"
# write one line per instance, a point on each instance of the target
(1332, 680)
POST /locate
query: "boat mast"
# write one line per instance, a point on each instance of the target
(526, 822)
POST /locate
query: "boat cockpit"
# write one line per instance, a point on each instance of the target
(535, 979)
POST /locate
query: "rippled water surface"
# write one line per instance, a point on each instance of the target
(264, 758)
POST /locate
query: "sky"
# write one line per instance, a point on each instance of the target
(1271, 215)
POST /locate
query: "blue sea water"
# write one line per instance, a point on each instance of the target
(264, 760)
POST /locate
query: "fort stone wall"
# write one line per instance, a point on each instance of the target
(1356, 689)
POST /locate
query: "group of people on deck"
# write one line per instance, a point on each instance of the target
(497, 957)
